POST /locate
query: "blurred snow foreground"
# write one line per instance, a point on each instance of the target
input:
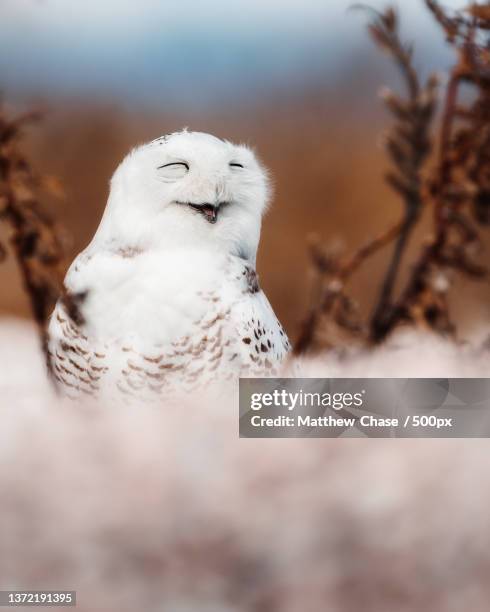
(169, 510)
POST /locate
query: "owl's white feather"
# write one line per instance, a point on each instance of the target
(166, 295)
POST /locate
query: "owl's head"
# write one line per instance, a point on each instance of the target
(188, 188)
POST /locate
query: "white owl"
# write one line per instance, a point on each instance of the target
(166, 296)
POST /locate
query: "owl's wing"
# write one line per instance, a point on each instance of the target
(80, 365)
(76, 366)
(261, 342)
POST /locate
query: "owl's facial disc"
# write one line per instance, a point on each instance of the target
(207, 210)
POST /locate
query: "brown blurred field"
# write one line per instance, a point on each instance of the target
(327, 167)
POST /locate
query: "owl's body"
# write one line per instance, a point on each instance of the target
(166, 296)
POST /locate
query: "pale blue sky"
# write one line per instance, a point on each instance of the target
(185, 52)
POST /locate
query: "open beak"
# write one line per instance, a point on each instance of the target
(209, 211)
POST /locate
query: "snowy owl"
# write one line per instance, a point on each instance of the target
(166, 295)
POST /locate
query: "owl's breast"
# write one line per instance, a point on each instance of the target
(154, 297)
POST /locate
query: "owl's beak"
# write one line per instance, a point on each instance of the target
(209, 211)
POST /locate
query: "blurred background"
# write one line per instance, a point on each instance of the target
(168, 510)
(296, 79)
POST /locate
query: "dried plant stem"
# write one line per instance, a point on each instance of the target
(451, 191)
(333, 277)
(457, 189)
(408, 145)
(33, 236)
(384, 313)
(352, 264)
